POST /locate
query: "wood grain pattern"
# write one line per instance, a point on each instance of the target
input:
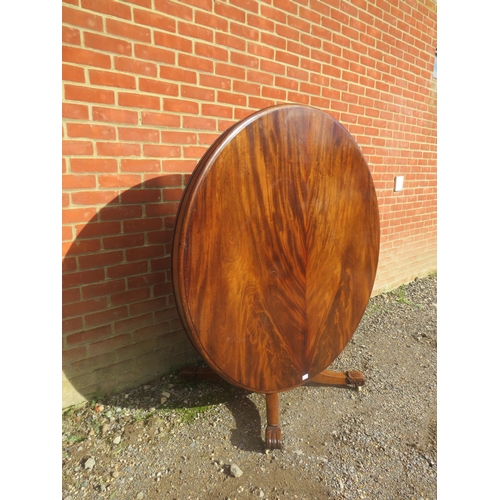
(276, 248)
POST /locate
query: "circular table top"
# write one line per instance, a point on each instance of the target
(276, 248)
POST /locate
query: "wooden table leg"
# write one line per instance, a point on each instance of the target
(273, 429)
(328, 377)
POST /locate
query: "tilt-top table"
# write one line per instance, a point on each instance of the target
(275, 252)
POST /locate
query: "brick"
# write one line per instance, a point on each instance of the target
(111, 79)
(103, 289)
(92, 197)
(71, 295)
(129, 296)
(260, 22)
(157, 87)
(91, 131)
(244, 32)
(178, 74)
(193, 122)
(273, 93)
(87, 94)
(154, 54)
(195, 31)
(155, 20)
(73, 73)
(126, 270)
(69, 263)
(127, 30)
(115, 115)
(97, 229)
(226, 40)
(244, 60)
(110, 7)
(120, 212)
(174, 106)
(172, 181)
(197, 93)
(78, 181)
(194, 151)
(211, 21)
(118, 149)
(122, 242)
(229, 70)
(148, 306)
(286, 83)
(75, 111)
(86, 165)
(163, 237)
(229, 12)
(210, 52)
(79, 247)
(160, 264)
(141, 165)
(216, 110)
(100, 259)
(138, 101)
(247, 88)
(173, 41)
(138, 134)
(298, 98)
(107, 44)
(272, 67)
(109, 344)
(71, 36)
(147, 252)
(162, 209)
(71, 280)
(83, 307)
(310, 41)
(197, 63)
(174, 9)
(207, 139)
(161, 151)
(215, 82)
(134, 66)
(273, 40)
(298, 48)
(75, 148)
(75, 353)
(71, 325)
(135, 349)
(86, 57)
(92, 335)
(81, 18)
(142, 3)
(151, 331)
(71, 215)
(142, 225)
(179, 137)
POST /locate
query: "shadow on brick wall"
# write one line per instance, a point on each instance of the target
(120, 323)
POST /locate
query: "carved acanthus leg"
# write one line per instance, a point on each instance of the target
(328, 377)
(273, 430)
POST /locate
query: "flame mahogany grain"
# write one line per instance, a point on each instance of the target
(276, 248)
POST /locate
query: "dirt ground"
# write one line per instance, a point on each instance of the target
(172, 439)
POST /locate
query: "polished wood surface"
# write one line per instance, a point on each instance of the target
(276, 248)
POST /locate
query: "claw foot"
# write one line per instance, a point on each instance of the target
(273, 437)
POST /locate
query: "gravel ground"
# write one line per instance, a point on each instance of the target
(182, 440)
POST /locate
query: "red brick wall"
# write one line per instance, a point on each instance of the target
(148, 85)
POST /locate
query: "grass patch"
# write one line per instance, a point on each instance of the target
(189, 415)
(75, 438)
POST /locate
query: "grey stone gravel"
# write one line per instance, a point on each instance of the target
(378, 443)
(235, 471)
